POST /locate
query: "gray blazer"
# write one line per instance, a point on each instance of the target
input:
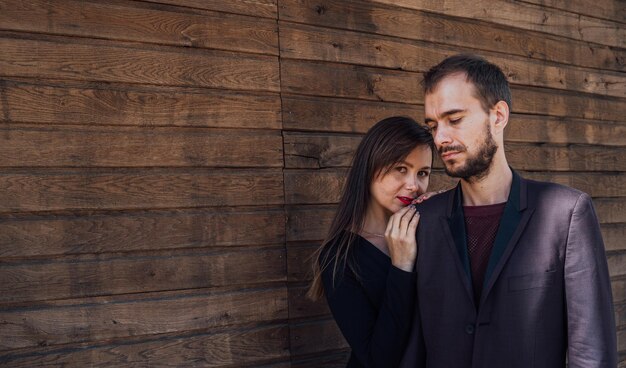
(546, 295)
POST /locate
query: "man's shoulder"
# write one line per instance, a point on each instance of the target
(436, 204)
(548, 191)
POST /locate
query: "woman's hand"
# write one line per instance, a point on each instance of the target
(427, 195)
(400, 236)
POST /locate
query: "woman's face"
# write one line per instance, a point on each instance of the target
(404, 181)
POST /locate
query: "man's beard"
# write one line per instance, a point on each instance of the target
(476, 166)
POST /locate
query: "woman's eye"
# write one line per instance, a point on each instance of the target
(455, 120)
(401, 169)
(423, 173)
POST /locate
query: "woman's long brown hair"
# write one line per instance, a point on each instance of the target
(387, 142)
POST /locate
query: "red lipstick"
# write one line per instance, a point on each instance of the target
(406, 200)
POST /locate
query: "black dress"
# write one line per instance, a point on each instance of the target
(373, 311)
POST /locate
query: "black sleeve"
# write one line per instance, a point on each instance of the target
(377, 338)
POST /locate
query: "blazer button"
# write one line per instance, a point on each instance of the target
(469, 329)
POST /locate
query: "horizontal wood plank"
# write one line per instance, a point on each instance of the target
(206, 349)
(96, 275)
(326, 359)
(104, 61)
(41, 146)
(257, 8)
(314, 43)
(595, 184)
(617, 263)
(538, 101)
(312, 151)
(309, 222)
(80, 233)
(441, 29)
(543, 129)
(614, 10)
(130, 22)
(340, 80)
(315, 337)
(526, 16)
(321, 114)
(358, 82)
(79, 321)
(610, 210)
(614, 236)
(300, 262)
(61, 189)
(30, 102)
(301, 307)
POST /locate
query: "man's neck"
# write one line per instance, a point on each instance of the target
(491, 189)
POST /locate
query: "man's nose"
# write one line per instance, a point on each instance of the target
(441, 136)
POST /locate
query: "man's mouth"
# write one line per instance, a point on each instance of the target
(449, 155)
(406, 200)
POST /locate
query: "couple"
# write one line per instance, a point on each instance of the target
(502, 272)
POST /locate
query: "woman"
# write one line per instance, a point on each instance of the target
(365, 265)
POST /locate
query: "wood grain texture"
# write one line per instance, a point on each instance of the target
(330, 114)
(603, 184)
(337, 359)
(75, 103)
(314, 43)
(617, 263)
(300, 262)
(327, 360)
(340, 80)
(315, 337)
(526, 16)
(110, 274)
(53, 145)
(215, 348)
(85, 320)
(32, 236)
(60, 189)
(441, 29)
(131, 22)
(614, 10)
(309, 222)
(539, 101)
(321, 114)
(614, 235)
(610, 210)
(301, 308)
(104, 61)
(544, 129)
(256, 8)
(322, 79)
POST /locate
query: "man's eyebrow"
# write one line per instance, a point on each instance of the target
(444, 114)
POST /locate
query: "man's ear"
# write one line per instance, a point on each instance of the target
(501, 112)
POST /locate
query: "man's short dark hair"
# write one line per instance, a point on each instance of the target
(488, 79)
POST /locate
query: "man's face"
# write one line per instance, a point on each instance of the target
(461, 128)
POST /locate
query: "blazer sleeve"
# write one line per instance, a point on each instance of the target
(377, 338)
(589, 304)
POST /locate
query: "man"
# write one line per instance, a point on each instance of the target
(511, 272)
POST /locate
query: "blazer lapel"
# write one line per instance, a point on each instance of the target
(454, 226)
(512, 224)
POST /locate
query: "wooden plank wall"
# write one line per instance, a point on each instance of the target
(141, 201)
(167, 166)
